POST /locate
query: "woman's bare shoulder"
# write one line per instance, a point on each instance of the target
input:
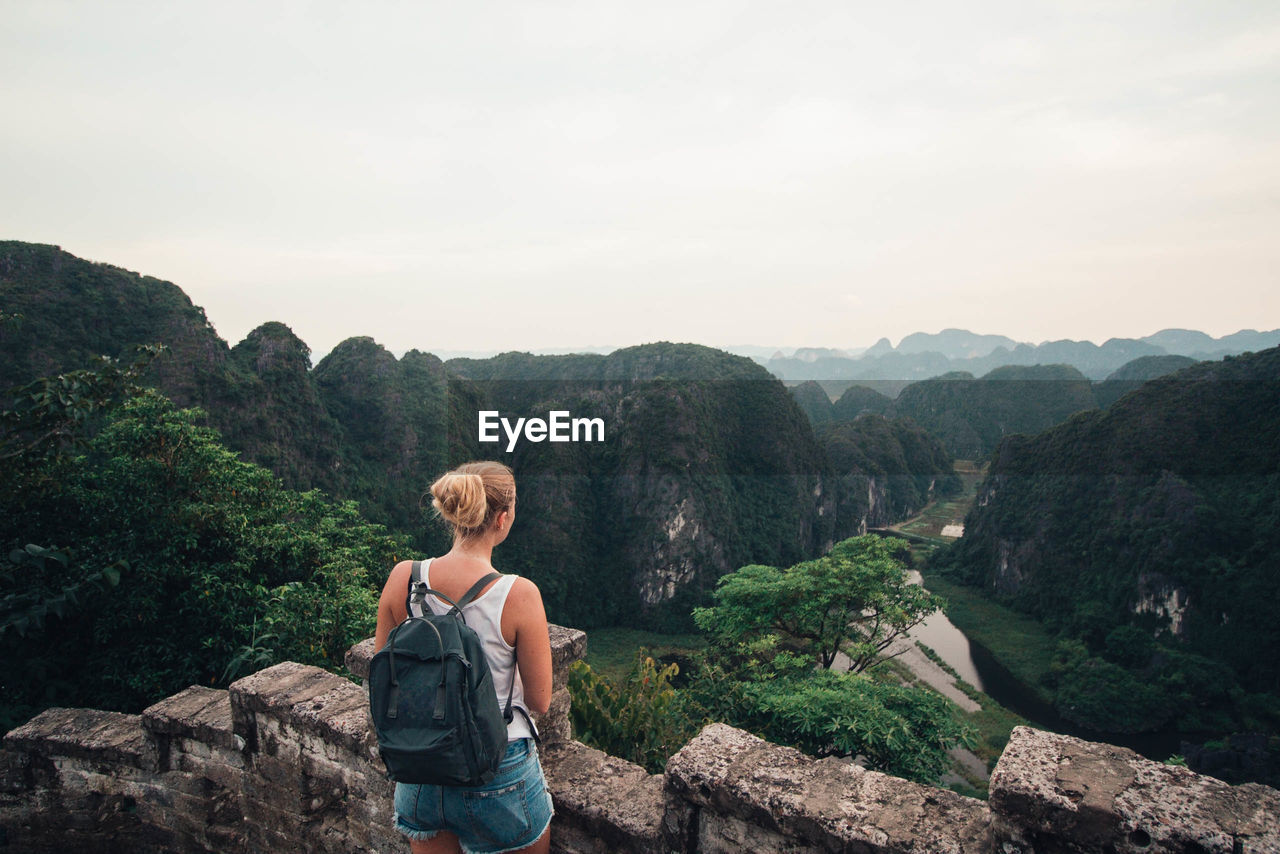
(526, 598)
(524, 588)
(398, 580)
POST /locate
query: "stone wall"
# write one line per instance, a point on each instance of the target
(285, 760)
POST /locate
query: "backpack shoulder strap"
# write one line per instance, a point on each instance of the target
(470, 595)
(418, 591)
(415, 577)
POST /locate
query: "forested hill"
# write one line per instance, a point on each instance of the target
(707, 463)
(1131, 375)
(1161, 514)
(972, 415)
(887, 470)
(71, 310)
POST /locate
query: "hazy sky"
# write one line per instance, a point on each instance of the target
(525, 175)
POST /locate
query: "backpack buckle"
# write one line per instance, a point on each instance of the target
(418, 595)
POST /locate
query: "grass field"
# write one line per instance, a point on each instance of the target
(612, 651)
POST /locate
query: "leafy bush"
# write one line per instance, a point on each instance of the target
(898, 729)
(642, 720)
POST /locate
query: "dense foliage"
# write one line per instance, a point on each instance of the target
(1147, 536)
(73, 310)
(901, 730)
(185, 564)
(1131, 375)
(773, 634)
(643, 719)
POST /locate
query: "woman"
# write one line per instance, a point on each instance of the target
(513, 812)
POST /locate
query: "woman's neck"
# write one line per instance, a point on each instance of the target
(480, 548)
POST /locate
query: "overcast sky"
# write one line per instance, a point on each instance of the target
(525, 175)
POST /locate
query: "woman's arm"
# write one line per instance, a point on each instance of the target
(533, 646)
(391, 604)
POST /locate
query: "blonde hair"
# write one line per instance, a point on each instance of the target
(471, 496)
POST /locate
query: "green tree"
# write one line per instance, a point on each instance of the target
(774, 635)
(857, 599)
(52, 414)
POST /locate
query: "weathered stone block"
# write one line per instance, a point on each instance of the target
(357, 659)
(567, 646)
(198, 713)
(602, 803)
(222, 768)
(339, 717)
(109, 738)
(727, 834)
(1052, 792)
(553, 727)
(826, 804)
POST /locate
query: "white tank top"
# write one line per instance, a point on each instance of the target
(484, 616)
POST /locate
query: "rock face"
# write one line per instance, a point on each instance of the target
(1053, 792)
(883, 471)
(286, 760)
(708, 464)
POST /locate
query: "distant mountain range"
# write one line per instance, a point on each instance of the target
(923, 355)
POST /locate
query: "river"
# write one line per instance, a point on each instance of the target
(977, 666)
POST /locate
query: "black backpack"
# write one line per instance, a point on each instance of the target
(432, 697)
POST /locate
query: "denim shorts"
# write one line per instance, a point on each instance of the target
(508, 813)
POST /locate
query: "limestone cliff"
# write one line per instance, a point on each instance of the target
(708, 465)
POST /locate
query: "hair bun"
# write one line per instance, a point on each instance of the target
(460, 499)
(471, 496)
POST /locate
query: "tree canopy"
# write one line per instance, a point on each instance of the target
(855, 600)
(775, 634)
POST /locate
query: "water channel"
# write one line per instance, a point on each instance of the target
(977, 666)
